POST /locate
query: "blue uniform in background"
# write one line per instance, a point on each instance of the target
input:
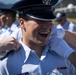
(14, 27)
(3, 30)
(69, 26)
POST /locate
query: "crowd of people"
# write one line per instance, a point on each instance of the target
(31, 44)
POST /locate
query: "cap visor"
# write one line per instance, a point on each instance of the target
(41, 14)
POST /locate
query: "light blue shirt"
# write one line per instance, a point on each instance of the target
(14, 27)
(17, 34)
(2, 30)
(69, 26)
(57, 31)
(25, 61)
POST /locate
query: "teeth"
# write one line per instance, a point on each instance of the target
(44, 32)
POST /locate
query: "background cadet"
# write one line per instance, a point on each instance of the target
(3, 20)
(8, 24)
(61, 19)
(11, 22)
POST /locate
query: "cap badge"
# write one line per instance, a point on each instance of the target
(47, 2)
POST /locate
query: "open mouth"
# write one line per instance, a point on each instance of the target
(43, 34)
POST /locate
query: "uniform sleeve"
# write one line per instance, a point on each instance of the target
(60, 46)
(57, 31)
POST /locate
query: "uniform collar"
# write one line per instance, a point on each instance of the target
(25, 49)
(46, 49)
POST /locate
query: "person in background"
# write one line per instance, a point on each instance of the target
(38, 54)
(3, 19)
(11, 21)
(8, 25)
(61, 19)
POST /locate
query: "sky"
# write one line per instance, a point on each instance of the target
(8, 1)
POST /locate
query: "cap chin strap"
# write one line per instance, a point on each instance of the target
(38, 18)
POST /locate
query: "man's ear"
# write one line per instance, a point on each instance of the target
(21, 21)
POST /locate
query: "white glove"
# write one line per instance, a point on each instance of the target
(59, 46)
(57, 31)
